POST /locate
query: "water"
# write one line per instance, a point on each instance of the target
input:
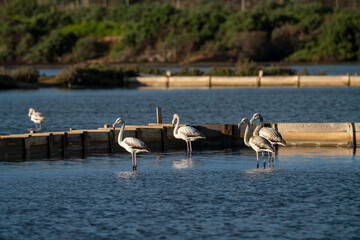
(308, 194)
(89, 109)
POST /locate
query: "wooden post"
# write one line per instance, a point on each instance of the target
(164, 139)
(27, 148)
(85, 141)
(65, 145)
(111, 140)
(158, 115)
(352, 134)
(50, 144)
(227, 131)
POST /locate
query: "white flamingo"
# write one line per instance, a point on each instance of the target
(36, 117)
(258, 143)
(131, 144)
(270, 134)
(186, 133)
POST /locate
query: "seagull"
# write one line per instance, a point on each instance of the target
(258, 143)
(186, 133)
(36, 117)
(131, 144)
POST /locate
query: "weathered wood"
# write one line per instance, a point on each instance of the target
(158, 115)
(27, 148)
(51, 145)
(159, 137)
(65, 142)
(227, 131)
(85, 143)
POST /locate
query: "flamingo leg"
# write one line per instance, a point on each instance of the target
(135, 161)
(132, 160)
(40, 126)
(187, 146)
(264, 160)
(190, 147)
(257, 158)
(269, 158)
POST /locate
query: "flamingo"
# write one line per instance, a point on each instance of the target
(271, 134)
(131, 144)
(186, 133)
(258, 143)
(36, 117)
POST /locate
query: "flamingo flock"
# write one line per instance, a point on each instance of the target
(263, 139)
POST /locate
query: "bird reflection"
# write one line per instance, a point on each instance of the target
(184, 163)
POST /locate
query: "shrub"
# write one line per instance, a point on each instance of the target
(87, 48)
(247, 68)
(85, 75)
(220, 71)
(51, 48)
(7, 82)
(184, 71)
(279, 71)
(26, 75)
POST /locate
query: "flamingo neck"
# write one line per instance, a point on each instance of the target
(261, 121)
(257, 129)
(246, 135)
(176, 126)
(121, 134)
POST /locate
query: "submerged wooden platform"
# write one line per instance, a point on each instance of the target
(159, 137)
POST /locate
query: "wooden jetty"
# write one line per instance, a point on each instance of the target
(159, 137)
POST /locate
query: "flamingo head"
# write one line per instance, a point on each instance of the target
(119, 120)
(256, 116)
(244, 120)
(31, 111)
(174, 118)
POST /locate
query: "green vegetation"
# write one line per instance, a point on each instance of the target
(26, 75)
(99, 75)
(7, 82)
(151, 32)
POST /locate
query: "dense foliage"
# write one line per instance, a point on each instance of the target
(148, 32)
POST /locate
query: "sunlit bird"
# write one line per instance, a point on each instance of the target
(36, 117)
(131, 144)
(186, 133)
(271, 134)
(256, 142)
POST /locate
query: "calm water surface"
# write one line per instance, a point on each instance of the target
(87, 109)
(308, 194)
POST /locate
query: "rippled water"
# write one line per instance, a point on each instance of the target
(88, 109)
(308, 194)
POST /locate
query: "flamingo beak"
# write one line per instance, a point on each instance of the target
(114, 124)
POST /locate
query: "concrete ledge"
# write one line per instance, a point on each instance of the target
(148, 81)
(354, 81)
(279, 81)
(324, 81)
(218, 81)
(189, 81)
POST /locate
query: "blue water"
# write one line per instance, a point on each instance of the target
(307, 194)
(89, 109)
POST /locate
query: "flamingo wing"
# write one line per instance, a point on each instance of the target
(190, 132)
(38, 116)
(272, 135)
(136, 144)
(262, 143)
